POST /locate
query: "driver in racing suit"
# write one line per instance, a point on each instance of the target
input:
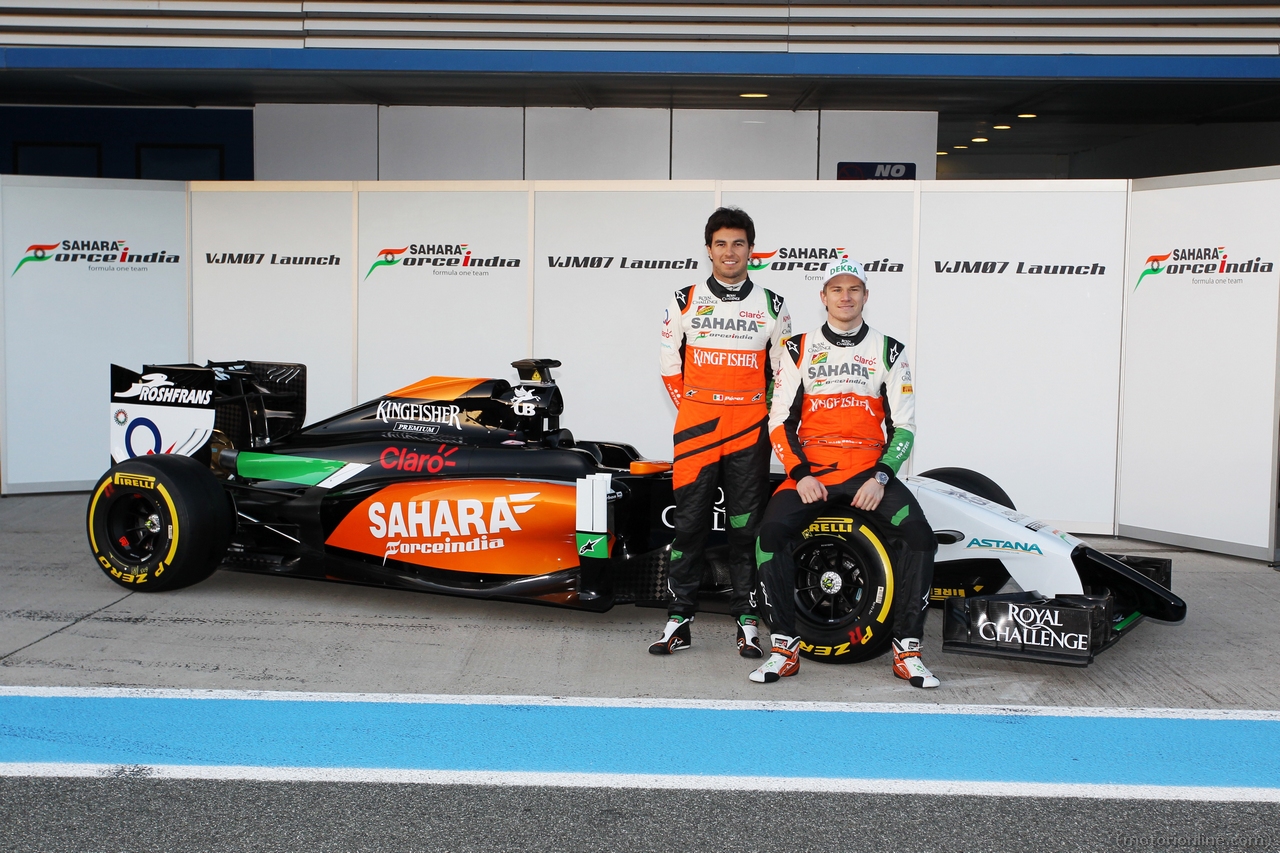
(843, 423)
(719, 352)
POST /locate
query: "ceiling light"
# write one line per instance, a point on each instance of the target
(942, 154)
(753, 95)
(1000, 127)
(1026, 115)
(959, 146)
(978, 139)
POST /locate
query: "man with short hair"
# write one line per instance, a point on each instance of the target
(719, 353)
(843, 422)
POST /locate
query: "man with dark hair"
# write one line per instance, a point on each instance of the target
(718, 356)
(843, 422)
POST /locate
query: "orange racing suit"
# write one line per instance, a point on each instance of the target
(720, 350)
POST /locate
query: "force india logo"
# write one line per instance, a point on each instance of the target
(812, 259)
(477, 526)
(458, 526)
(93, 252)
(436, 255)
(1203, 261)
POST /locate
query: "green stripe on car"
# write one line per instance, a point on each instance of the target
(303, 470)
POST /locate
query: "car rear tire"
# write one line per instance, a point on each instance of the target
(844, 590)
(158, 523)
(973, 483)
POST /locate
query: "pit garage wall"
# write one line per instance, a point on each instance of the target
(68, 317)
(1199, 429)
(1018, 374)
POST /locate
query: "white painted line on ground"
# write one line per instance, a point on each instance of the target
(607, 702)
(493, 778)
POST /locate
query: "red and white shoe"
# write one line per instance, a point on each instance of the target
(908, 666)
(675, 636)
(783, 660)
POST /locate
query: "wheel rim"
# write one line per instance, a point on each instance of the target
(135, 527)
(832, 582)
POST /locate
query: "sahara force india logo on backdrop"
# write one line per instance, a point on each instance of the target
(1211, 262)
(813, 259)
(108, 254)
(437, 255)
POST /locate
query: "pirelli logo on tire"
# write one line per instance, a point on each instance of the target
(829, 525)
(135, 481)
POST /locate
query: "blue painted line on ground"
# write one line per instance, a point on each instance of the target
(587, 739)
(1029, 66)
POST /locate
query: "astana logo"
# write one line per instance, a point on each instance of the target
(386, 258)
(37, 252)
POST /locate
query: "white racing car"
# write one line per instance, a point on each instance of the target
(1011, 586)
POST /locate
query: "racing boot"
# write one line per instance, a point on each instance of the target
(907, 664)
(749, 637)
(783, 660)
(675, 636)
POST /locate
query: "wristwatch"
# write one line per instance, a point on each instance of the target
(882, 478)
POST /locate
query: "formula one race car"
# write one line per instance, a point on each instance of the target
(470, 487)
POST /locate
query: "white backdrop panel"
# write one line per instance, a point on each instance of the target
(1017, 373)
(66, 318)
(1197, 449)
(603, 322)
(270, 311)
(797, 229)
(424, 315)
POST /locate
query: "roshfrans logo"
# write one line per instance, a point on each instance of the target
(114, 252)
(437, 255)
(1202, 261)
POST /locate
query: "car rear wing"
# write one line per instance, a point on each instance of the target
(182, 408)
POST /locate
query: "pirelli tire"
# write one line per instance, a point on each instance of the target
(159, 523)
(844, 590)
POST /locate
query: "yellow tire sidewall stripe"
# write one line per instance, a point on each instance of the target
(173, 520)
(888, 570)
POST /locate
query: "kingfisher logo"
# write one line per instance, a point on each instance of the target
(1210, 261)
(110, 254)
(437, 255)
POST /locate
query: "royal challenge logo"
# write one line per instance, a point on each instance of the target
(1205, 265)
(443, 258)
(97, 255)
